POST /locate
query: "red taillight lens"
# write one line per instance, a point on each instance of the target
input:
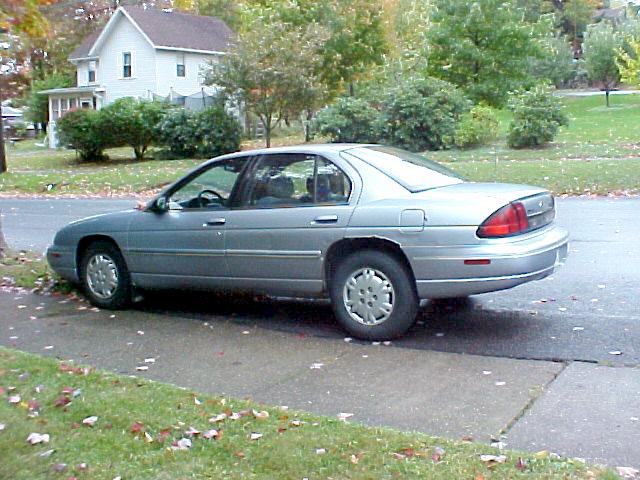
(509, 220)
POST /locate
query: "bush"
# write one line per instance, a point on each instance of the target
(537, 117)
(207, 133)
(134, 123)
(477, 127)
(218, 131)
(348, 120)
(422, 114)
(87, 132)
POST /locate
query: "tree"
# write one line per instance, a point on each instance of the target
(134, 122)
(482, 46)
(273, 69)
(38, 103)
(556, 63)
(601, 46)
(629, 62)
(356, 34)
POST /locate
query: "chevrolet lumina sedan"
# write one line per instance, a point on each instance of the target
(374, 228)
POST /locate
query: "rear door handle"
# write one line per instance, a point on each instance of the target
(215, 222)
(326, 219)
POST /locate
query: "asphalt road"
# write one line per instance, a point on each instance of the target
(589, 308)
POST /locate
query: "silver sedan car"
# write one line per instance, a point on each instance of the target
(374, 228)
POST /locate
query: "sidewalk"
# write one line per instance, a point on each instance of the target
(581, 410)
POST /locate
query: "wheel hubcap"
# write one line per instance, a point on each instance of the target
(102, 276)
(368, 296)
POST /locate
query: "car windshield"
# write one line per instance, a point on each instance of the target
(414, 172)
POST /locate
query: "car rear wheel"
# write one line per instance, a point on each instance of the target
(105, 277)
(373, 295)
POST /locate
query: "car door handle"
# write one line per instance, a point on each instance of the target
(326, 219)
(215, 222)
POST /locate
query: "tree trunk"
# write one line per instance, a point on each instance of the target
(606, 94)
(3, 155)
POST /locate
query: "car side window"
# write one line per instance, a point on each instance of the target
(294, 180)
(211, 189)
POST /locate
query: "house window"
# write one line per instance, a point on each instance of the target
(126, 64)
(180, 68)
(92, 72)
(72, 103)
(85, 103)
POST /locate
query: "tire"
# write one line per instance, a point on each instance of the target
(105, 277)
(377, 280)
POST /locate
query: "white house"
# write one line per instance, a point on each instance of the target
(143, 53)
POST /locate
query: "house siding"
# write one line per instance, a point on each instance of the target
(166, 61)
(126, 38)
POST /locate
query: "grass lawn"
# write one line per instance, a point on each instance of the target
(139, 424)
(599, 153)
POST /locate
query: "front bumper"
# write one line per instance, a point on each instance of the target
(63, 261)
(513, 262)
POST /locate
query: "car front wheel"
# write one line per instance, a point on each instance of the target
(373, 295)
(105, 277)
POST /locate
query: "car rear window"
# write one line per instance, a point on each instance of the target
(414, 172)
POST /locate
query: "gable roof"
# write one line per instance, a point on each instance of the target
(166, 30)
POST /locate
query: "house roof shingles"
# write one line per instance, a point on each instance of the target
(172, 30)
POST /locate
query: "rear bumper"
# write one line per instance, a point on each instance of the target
(513, 262)
(63, 261)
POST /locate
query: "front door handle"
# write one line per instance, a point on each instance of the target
(326, 219)
(214, 222)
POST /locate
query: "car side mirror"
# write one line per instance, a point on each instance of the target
(161, 204)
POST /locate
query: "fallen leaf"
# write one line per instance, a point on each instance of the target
(90, 421)
(628, 473)
(182, 444)
(35, 438)
(521, 464)
(493, 458)
(47, 453)
(137, 427)
(316, 366)
(59, 467)
(142, 368)
(260, 415)
(218, 418)
(62, 401)
(192, 432)
(320, 451)
(398, 456)
(615, 352)
(255, 436)
(15, 399)
(344, 416)
(212, 434)
(149, 360)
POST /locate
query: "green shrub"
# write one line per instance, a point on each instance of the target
(134, 123)
(87, 131)
(477, 127)
(207, 133)
(218, 131)
(537, 117)
(348, 120)
(421, 114)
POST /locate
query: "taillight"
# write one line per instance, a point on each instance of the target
(509, 220)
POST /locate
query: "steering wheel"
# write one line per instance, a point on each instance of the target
(204, 201)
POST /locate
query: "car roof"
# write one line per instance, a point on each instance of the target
(318, 148)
